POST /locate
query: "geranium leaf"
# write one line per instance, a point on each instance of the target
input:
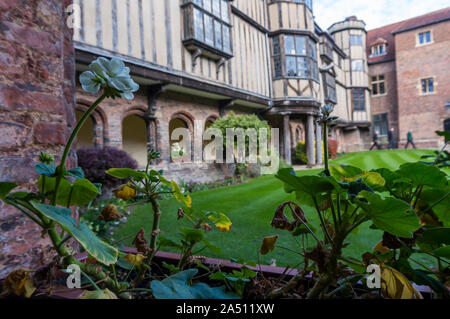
(390, 214)
(423, 174)
(101, 251)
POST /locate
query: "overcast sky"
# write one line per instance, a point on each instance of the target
(375, 13)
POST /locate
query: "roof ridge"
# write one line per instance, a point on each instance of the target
(410, 19)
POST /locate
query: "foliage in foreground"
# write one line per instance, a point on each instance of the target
(411, 206)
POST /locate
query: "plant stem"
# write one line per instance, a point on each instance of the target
(325, 148)
(62, 165)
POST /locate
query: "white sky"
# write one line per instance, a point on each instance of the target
(376, 13)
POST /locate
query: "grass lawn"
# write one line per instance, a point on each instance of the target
(251, 206)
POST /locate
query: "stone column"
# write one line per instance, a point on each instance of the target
(310, 140)
(287, 139)
(319, 150)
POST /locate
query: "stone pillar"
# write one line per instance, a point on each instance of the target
(319, 150)
(287, 139)
(310, 140)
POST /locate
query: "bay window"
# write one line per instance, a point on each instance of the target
(207, 26)
(295, 57)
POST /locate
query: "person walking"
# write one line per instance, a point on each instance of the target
(410, 139)
(375, 141)
(391, 141)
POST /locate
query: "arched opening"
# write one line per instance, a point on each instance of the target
(134, 138)
(86, 136)
(180, 146)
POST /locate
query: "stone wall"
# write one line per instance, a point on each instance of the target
(36, 112)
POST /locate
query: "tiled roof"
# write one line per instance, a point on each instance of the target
(388, 32)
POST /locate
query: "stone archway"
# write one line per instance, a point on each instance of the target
(134, 138)
(180, 149)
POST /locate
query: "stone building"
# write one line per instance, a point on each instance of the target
(410, 87)
(197, 60)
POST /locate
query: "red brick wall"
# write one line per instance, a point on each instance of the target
(423, 114)
(386, 103)
(36, 111)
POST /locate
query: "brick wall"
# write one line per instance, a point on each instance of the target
(423, 114)
(36, 112)
(386, 103)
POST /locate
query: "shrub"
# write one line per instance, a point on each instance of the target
(96, 161)
(300, 155)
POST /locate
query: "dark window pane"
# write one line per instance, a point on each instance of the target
(277, 65)
(276, 45)
(430, 85)
(374, 89)
(291, 66)
(355, 40)
(424, 86)
(382, 88)
(312, 49)
(428, 36)
(421, 40)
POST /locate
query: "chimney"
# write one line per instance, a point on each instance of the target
(352, 18)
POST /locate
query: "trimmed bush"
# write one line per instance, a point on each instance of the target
(96, 161)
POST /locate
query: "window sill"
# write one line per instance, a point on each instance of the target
(206, 50)
(379, 95)
(427, 94)
(418, 45)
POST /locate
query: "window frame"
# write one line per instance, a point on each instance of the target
(418, 38)
(427, 85)
(363, 69)
(329, 85)
(375, 50)
(377, 83)
(359, 43)
(281, 57)
(359, 102)
(190, 7)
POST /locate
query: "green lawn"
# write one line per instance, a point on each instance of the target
(251, 206)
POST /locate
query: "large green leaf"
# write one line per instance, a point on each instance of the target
(390, 214)
(179, 286)
(423, 174)
(342, 172)
(311, 185)
(6, 188)
(125, 173)
(81, 193)
(101, 251)
(192, 235)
